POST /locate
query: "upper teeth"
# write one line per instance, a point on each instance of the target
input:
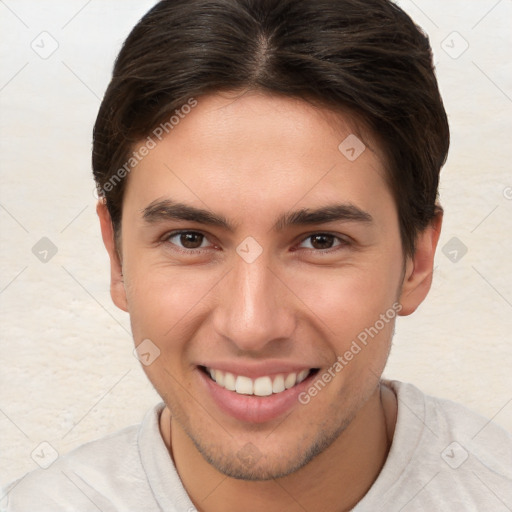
(262, 386)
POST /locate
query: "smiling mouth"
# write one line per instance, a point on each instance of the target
(261, 386)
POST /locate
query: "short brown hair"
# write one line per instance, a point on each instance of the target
(365, 56)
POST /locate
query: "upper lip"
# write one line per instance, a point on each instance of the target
(255, 370)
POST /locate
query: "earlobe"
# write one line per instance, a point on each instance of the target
(419, 268)
(117, 289)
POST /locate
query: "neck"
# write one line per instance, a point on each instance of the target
(335, 480)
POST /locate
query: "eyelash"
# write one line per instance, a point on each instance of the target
(167, 237)
(343, 242)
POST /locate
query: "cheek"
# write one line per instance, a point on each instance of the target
(164, 308)
(161, 300)
(347, 299)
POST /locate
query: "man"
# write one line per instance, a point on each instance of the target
(268, 172)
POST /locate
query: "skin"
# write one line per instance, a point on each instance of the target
(252, 158)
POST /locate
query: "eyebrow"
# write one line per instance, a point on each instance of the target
(163, 210)
(323, 215)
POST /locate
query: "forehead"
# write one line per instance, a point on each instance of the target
(255, 151)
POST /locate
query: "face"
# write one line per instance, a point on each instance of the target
(254, 254)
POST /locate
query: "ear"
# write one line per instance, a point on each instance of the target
(420, 267)
(117, 290)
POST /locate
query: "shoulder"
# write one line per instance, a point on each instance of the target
(443, 457)
(463, 431)
(446, 420)
(96, 475)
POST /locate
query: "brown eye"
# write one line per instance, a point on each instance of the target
(322, 241)
(191, 240)
(188, 240)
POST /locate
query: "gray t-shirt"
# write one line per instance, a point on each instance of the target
(443, 458)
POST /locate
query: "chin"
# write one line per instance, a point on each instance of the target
(253, 463)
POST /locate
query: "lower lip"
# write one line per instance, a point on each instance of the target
(251, 408)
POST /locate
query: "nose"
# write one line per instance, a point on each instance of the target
(255, 310)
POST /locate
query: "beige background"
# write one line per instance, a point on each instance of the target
(67, 370)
